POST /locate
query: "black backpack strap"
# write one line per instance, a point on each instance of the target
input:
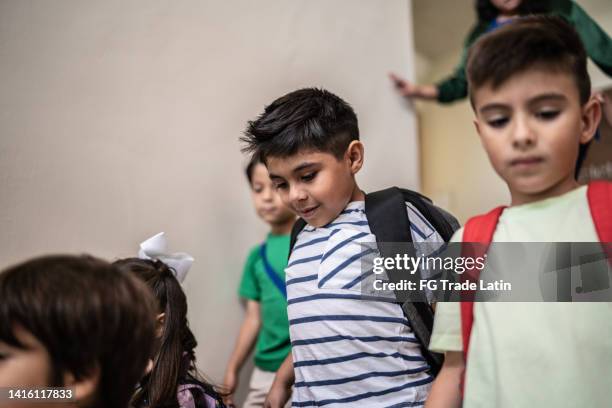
(387, 217)
(295, 231)
(388, 220)
(442, 221)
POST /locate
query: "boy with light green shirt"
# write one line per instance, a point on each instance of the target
(265, 324)
(530, 92)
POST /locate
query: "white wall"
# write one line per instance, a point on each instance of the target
(121, 119)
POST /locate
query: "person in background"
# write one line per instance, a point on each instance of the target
(495, 13)
(265, 323)
(172, 378)
(77, 323)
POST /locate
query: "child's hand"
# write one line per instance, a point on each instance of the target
(277, 396)
(230, 383)
(410, 90)
(403, 86)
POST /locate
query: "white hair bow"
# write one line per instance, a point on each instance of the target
(156, 247)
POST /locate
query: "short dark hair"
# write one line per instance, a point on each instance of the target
(308, 118)
(536, 41)
(88, 315)
(254, 161)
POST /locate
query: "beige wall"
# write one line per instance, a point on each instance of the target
(455, 170)
(121, 119)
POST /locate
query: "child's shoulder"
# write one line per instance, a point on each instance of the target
(255, 250)
(272, 241)
(458, 235)
(564, 217)
(431, 221)
(254, 253)
(195, 395)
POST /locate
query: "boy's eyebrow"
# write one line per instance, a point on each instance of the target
(547, 97)
(533, 101)
(303, 166)
(492, 107)
(297, 169)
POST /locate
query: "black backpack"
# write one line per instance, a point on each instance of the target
(388, 221)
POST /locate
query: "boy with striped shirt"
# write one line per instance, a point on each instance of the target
(347, 349)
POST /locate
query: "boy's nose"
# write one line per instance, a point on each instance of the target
(268, 194)
(297, 194)
(523, 136)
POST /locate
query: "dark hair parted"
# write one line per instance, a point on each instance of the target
(175, 361)
(537, 41)
(88, 315)
(308, 118)
(487, 11)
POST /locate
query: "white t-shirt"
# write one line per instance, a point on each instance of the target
(535, 354)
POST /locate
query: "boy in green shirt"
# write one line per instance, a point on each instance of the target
(262, 286)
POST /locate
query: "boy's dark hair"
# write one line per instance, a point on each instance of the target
(175, 361)
(308, 118)
(254, 161)
(88, 315)
(487, 11)
(535, 41)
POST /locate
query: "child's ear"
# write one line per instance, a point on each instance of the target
(354, 153)
(85, 388)
(591, 116)
(159, 326)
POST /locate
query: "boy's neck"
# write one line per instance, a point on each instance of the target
(282, 228)
(558, 189)
(357, 194)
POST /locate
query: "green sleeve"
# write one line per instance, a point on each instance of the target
(455, 87)
(249, 286)
(596, 41)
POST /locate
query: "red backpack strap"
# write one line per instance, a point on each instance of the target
(478, 229)
(599, 196)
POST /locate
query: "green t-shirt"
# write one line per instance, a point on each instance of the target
(273, 342)
(535, 354)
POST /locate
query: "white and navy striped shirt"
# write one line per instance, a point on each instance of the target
(350, 349)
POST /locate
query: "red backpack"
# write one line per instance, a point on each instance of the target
(481, 228)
